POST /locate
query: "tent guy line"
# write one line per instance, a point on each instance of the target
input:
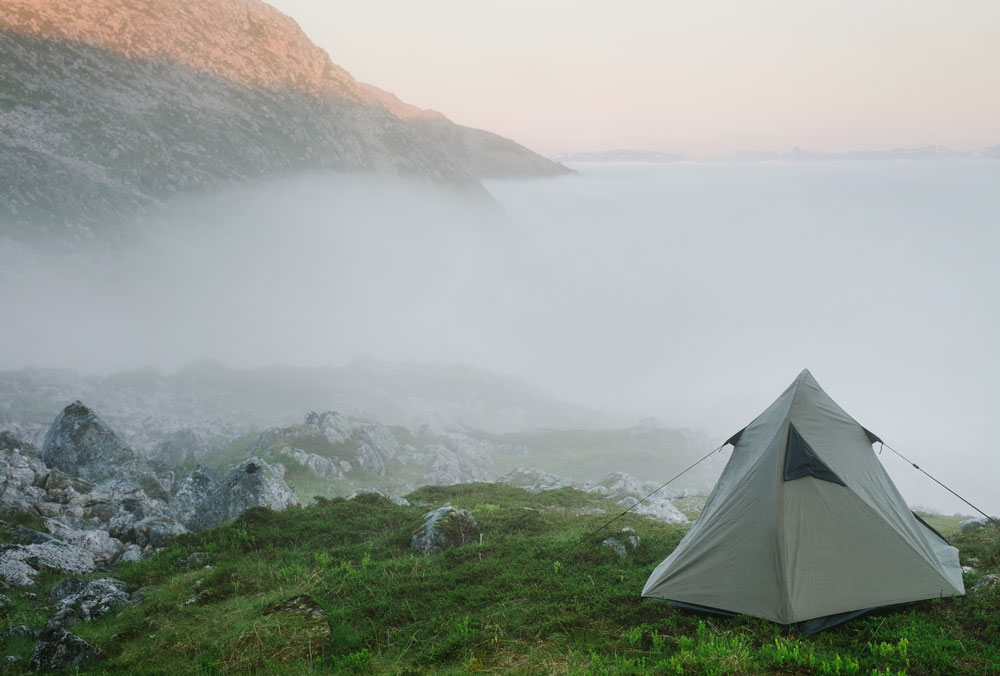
(678, 476)
(916, 466)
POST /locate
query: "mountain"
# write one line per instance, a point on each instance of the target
(108, 108)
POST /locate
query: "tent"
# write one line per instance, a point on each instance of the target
(804, 526)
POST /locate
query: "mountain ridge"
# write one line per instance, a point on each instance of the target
(110, 109)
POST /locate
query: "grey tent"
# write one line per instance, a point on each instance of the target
(804, 526)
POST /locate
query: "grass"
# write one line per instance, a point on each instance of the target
(520, 602)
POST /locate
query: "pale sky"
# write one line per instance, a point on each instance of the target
(703, 77)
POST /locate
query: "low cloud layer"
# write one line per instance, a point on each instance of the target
(695, 293)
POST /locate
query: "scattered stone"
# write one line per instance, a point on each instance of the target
(59, 649)
(985, 583)
(659, 509)
(20, 563)
(304, 606)
(86, 600)
(21, 630)
(624, 545)
(444, 528)
(193, 600)
(27, 536)
(192, 561)
(534, 480)
(131, 554)
(972, 524)
(4, 601)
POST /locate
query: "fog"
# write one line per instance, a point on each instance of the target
(691, 292)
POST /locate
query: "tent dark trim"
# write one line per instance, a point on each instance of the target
(804, 628)
(801, 460)
(930, 527)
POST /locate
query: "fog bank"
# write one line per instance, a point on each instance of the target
(693, 292)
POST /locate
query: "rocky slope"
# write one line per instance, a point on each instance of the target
(200, 409)
(100, 502)
(109, 108)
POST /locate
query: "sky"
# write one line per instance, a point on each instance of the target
(705, 78)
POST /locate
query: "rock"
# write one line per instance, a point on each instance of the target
(20, 563)
(21, 473)
(972, 524)
(620, 484)
(105, 548)
(303, 606)
(317, 464)
(206, 501)
(625, 544)
(14, 571)
(190, 504)
(20, 630)
(26, 536)
(534, 480)
(86, 600)
(58, 649)
(253, 483)
(10, 661)
(985, 583)
(444, 528)
(80, 444)
(193, 600)
(4, 601)
(132, 553)
(659, 509)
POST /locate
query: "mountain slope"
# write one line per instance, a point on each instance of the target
(108, 108)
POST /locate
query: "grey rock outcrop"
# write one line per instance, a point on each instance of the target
(624, 544)
(972, 524)
(76, 599)
(59, 649)
(534, 480)
(19, 564)
(80, 444)
(656, 508)
(444, 528)
(206, 500)
(985, 583)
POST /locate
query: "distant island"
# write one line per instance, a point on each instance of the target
(793, 155)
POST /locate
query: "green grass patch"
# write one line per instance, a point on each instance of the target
(520, 602)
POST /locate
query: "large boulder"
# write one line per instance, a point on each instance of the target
(58, 649)
(444, 528)
(80, 444)
(254, 483)
(206, 500)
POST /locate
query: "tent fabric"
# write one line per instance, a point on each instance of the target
(835, 539)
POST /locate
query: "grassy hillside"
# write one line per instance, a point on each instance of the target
(519, 602)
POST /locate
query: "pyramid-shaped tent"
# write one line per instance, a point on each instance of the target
(804, 526)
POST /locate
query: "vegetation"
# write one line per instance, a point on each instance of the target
(523, 601)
